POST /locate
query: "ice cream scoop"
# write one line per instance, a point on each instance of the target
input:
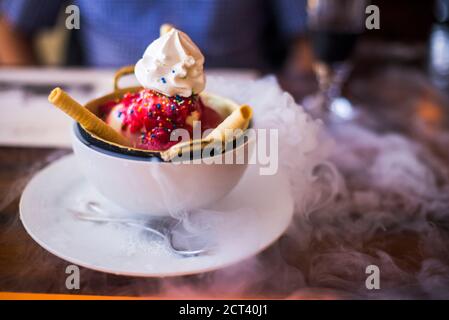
(147, 118)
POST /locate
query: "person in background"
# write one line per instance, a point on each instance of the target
(258, 34)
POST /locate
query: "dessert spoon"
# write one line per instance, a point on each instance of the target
(161, 227)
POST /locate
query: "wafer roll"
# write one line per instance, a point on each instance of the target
(238, 119)
(182, 148)
(86, 118)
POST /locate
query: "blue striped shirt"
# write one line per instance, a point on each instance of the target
(231, 33)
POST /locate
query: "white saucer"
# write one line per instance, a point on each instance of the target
(248, 220)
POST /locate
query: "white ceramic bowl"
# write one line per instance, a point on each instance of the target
(150, 186)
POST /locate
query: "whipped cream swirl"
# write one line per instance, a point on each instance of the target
(172, 65)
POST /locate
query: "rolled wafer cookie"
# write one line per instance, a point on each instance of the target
(238, 119)
(183, 147)
(83, 116)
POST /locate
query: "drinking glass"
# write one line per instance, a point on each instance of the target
(334, 26)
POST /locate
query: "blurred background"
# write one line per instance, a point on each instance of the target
(231, 33)
(267, 36)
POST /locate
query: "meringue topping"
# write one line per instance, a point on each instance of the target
(172, 65)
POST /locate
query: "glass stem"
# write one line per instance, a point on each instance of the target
(330, 82)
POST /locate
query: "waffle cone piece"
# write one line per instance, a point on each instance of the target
(87, 119)
(238, 120)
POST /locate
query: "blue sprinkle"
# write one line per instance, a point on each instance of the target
(173, 107)
(120, 114)
(173, 71)
(158, 105)
(163, 80)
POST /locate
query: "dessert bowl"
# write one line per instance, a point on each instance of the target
(141, 182)
(148, 148)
